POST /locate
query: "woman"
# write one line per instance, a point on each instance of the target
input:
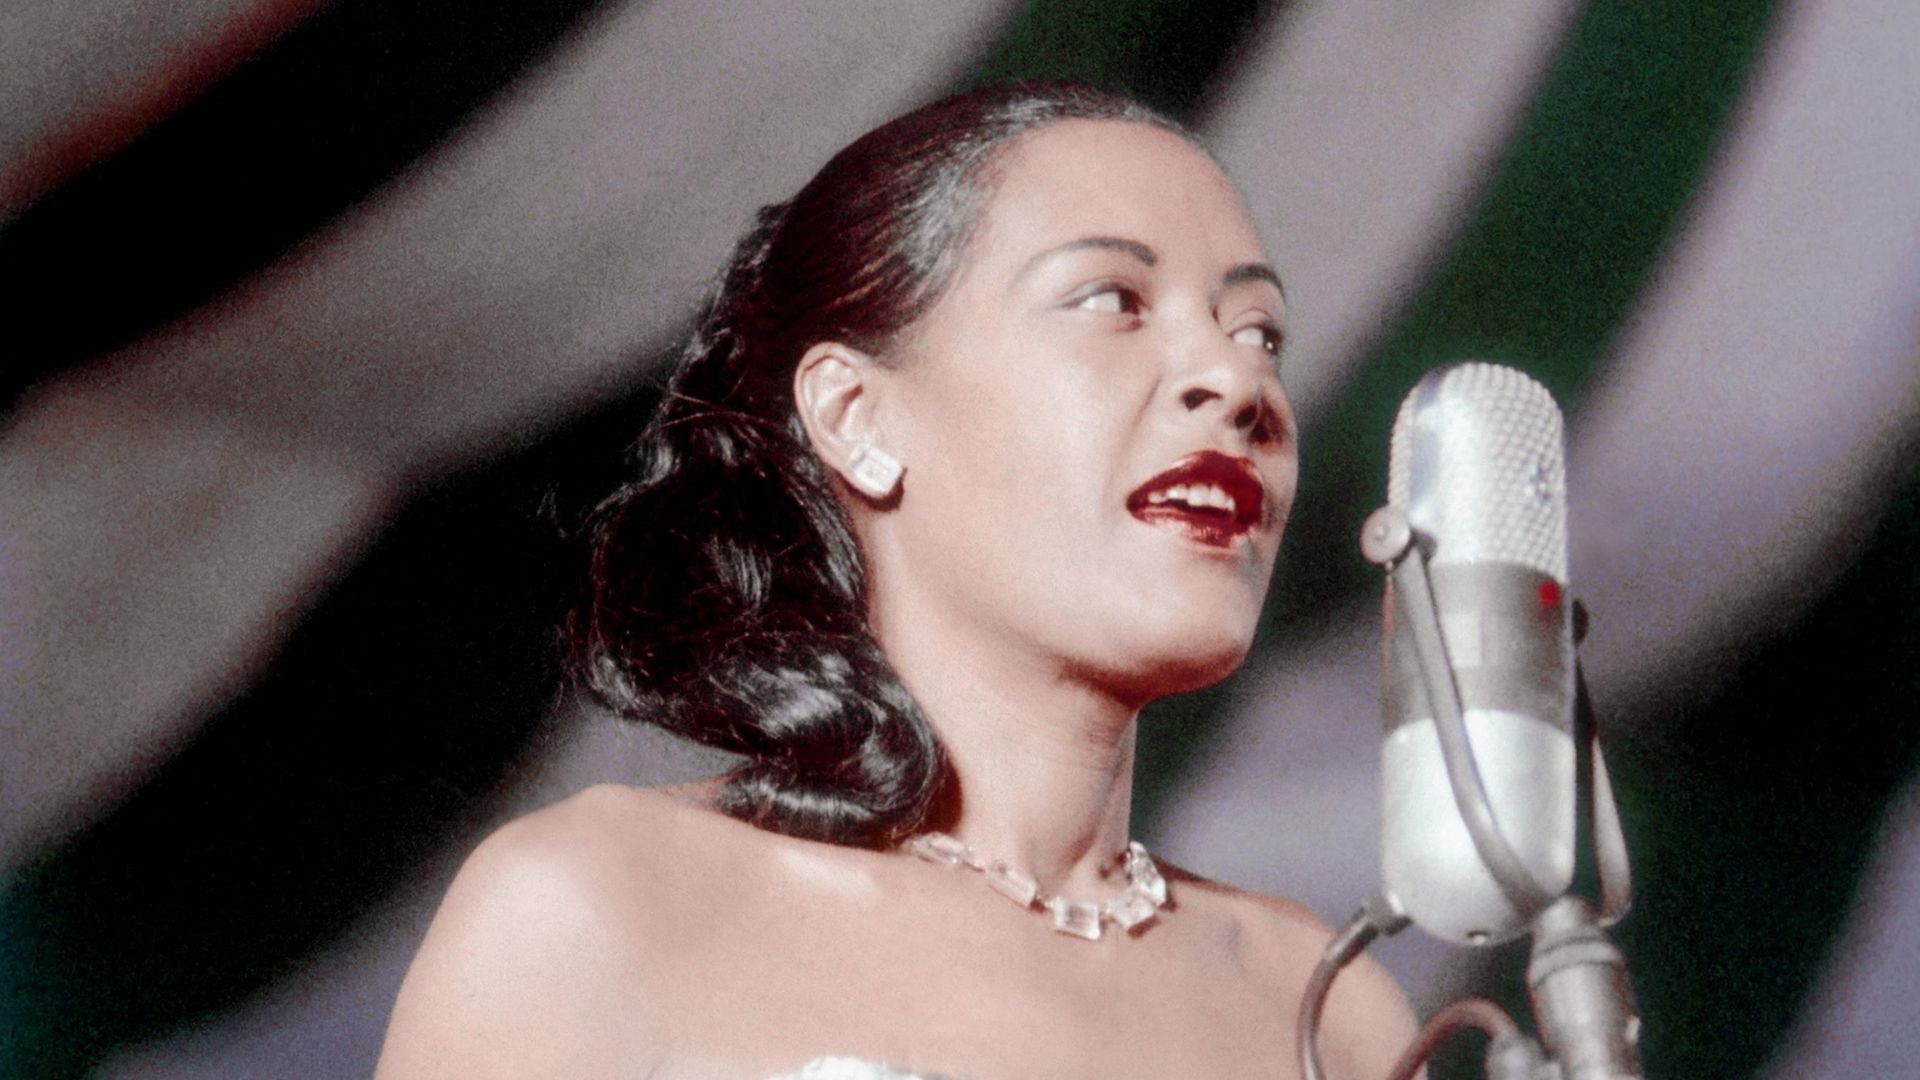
(980, 448)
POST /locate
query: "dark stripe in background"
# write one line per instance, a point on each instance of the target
(1753, 812)
(1165, 53)
(1553, 258)
(55, 159)
(311, 125)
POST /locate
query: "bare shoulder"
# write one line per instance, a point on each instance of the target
(1367, 1022)
(558, 921)
(601, 857)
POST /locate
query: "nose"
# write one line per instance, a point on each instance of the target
(1244, 415)
(1227, 380)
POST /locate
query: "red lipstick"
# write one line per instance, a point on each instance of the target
(1211, 497)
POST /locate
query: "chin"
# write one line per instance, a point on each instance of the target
(1191, 661)
(1202, 669)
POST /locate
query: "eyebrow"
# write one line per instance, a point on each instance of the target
(1253, 272)
(1108, 243)
(1240, 274)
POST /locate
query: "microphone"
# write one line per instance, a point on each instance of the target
(1476, 472)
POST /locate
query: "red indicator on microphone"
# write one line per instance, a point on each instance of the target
(1549, 594)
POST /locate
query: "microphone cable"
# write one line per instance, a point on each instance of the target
(1511, 1053)
(1376, 918)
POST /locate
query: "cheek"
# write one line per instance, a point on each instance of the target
(1016, 491)
(1013, 507)
(1029, 425)
(1285, 485)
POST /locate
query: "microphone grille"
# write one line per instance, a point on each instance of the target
(1476, 462)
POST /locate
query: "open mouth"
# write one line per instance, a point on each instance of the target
(1211, 497)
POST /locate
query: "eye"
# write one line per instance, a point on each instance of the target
(1262, 335)
(1110, 298)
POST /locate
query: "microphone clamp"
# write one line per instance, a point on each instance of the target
(1386, 537)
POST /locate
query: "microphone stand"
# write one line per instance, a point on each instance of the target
(1576, 977)
(1577, 982)
(1582, 1003)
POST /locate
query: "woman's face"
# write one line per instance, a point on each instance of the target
(1100, 457)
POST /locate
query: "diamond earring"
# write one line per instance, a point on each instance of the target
(873, 471)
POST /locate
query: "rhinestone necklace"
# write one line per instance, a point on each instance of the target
(1134, 906)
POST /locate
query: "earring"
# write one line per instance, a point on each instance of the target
(873, 471)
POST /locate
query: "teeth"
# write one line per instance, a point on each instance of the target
(1194, 495)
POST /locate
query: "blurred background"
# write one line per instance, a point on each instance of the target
(324, 317)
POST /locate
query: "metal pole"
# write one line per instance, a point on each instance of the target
(1582, 1002)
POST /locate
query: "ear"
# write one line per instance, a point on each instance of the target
(838, 393)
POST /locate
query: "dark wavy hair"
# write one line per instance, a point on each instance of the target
(726, 598)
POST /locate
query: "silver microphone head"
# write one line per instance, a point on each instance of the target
(1475, 460)
(1477, 466)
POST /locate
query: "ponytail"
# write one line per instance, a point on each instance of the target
(727, 602)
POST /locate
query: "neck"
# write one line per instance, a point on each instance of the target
(1043, 760)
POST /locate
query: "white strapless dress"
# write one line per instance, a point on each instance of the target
(846, 1068)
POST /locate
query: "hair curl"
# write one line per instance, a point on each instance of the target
(726, 598)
